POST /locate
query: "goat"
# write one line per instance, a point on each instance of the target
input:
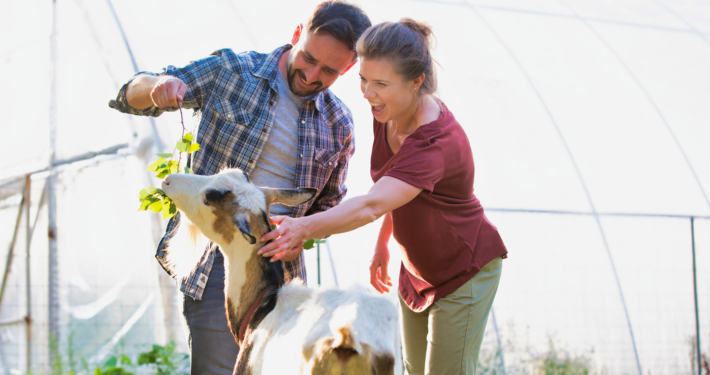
(282, 329)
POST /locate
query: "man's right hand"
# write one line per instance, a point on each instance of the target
(161, 91)
(168, 91)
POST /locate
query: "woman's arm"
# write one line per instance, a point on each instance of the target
(378, 266)
(386, 195)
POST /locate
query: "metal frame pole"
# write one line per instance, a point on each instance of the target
(28, 317)
(11, 251)
(318, 255)
(695, 292)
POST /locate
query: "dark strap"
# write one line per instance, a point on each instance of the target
(247, 318)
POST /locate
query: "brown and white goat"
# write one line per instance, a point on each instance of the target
(293, 329)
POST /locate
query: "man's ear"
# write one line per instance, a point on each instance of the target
(297, 34)
(289, 197)
(349, 66)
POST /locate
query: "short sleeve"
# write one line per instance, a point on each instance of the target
(419, 163)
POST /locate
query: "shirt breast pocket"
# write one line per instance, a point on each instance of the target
(327, 159)
(231, 114)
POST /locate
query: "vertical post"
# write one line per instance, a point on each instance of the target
(53, 267)
(28, 317)
(695, 292)
(318, 255)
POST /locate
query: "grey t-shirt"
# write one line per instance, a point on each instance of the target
(276, 166)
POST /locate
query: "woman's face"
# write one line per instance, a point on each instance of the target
(390, 96)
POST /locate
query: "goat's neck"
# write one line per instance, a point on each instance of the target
(245, 279)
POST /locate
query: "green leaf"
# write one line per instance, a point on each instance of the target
(182, 147)
(193, 147)
(144, 193)
(165, 211)
(319, 241)
(173, 169)
(153, 190)
(165, 155)
(188, 170)
(188, 138)
(273, 226)
(308, 244)
(163, 173)
(97, 372)
(156, 206)
(160, 163)
(111, 362)
(125, 359)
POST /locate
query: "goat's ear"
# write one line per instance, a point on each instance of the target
(289, 197)
(242, 222)
(214, 195)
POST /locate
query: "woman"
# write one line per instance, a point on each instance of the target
(423, 171)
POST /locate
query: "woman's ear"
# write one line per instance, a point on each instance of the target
(417, 82)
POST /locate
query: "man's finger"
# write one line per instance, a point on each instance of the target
(171, 93)
(182, 90)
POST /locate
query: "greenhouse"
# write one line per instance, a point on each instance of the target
(590, 128)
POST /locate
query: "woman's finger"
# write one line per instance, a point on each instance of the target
(277, 219)
(276, 233)
(373, 277)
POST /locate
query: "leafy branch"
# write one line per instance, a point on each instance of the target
(155, 200)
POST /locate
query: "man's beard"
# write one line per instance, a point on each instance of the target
(294, 79)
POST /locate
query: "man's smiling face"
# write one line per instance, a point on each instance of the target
(316, 61)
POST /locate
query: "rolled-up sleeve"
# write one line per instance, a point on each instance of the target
(199, 76)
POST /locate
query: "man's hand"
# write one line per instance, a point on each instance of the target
(378, 269)
(168, 91)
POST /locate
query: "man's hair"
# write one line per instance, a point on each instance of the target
(345, 22)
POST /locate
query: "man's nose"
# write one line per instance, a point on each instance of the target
(311, 75)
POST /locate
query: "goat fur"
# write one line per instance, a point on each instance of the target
(295, 330)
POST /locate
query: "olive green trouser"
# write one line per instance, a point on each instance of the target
(445, 338)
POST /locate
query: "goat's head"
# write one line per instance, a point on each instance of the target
(225, 205)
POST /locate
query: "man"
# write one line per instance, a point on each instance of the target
(272, 116)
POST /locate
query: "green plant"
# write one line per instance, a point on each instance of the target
(164, 358)
(114, 366)
(155, 200)
(556, 363)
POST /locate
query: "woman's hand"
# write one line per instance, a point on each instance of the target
(378, 269)
(289, 255)
(287, 238)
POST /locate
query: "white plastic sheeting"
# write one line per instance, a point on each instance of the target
(576, 109)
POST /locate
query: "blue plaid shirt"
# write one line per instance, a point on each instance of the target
(234, 97)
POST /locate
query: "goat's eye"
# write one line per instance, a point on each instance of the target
(205, 202)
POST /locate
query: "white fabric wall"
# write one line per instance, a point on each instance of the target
(572, 107)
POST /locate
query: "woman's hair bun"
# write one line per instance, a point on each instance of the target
(420, 28)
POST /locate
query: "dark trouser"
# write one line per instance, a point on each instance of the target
(212, 346)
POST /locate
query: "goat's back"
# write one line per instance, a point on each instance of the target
(327, 331)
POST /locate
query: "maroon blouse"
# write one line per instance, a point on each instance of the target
(445, 236)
